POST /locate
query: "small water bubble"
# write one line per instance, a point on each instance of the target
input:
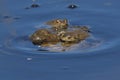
(39, 46)
(72, 6)
(29, 59)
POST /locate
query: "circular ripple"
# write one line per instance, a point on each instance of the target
(23, 46)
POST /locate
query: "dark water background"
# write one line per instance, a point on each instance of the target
(21, 60)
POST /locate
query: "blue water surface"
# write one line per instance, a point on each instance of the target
(21, 60)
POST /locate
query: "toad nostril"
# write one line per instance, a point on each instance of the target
(69, 37)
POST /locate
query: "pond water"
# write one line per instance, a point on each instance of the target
(21, 60)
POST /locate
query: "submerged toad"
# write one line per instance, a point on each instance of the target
(60, 33)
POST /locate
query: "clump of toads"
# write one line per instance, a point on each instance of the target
(60, 32)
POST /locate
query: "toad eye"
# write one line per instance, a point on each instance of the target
(58, 21)
(69, 37)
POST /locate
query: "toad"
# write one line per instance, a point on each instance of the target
(43, 36)
(58, 24)
(74, 35)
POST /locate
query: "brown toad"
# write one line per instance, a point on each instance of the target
(74, 35)
(43, 36)
(58, 24)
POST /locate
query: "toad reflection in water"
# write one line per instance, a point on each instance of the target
(60, 33)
